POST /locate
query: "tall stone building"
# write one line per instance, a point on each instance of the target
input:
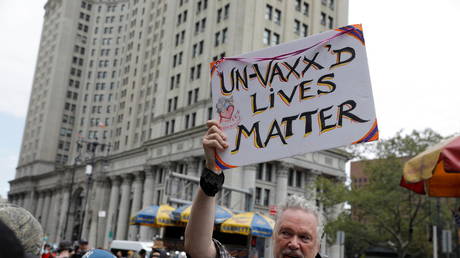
(119, 100)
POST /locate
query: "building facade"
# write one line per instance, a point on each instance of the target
(119, 100)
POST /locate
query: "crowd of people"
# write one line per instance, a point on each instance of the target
(296, 234)
(21, 236)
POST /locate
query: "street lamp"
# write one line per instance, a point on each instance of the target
(91, 149)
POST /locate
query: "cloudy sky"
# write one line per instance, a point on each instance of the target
(412, 48)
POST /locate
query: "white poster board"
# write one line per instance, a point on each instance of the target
(307, 95)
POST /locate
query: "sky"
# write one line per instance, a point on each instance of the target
(412, 49)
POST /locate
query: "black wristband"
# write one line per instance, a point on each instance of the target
(211, 182)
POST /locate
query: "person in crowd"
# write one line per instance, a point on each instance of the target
(119, 254)
(65, 249)
(25, 227)
(83, 247)
(157, 253)
(10, 245)
(142, 253)
(297, 229)
(47, 252)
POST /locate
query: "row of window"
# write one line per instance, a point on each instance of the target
(331, 3)
(220, 37)
(200, 26)
(223, 13)
(195, 72)
(197, 48)
(175, 81)
(201, 5)
(72, 95)
(300, 28)
(271, 38)
(177, 59)
(193, 95)
(302, 7)
(180, 37)
(330, 20)
(83, 27)
(84, 16)
(262, 196)
(272, 14)
(182, 18)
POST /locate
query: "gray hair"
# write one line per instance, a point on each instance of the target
(297, 202)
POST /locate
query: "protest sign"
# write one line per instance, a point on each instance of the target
(307, 95)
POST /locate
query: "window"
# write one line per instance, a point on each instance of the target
(268, 12)
(298, 179)
(166, 127)
(198, 71)
(224, 35)
(291, 177)
(258, 196)
(171, 86)
(197, 91)
(226, 11)
(268, 172)
(216, 38)
(304, 31)
(200, 47)
(330, 23)
(259, 171)
(266, 197)
(192, 73)
(277, 16)
(296, 27)
(187, 118)
(331, 4)
(266, 38)
(297, 5)
(323, 18)
(305, 9)
(275, 39)
(189, 98)
(193, 119)
(219, 15)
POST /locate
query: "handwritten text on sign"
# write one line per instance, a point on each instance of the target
(302, 96)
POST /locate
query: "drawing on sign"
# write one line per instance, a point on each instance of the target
(288, 99)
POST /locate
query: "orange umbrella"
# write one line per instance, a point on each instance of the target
(435, 171)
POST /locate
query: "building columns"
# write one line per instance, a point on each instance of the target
(63, 213)
(136, 204)
(145, 233)
(96, 206)
(123, 214)
(45, 212)
(52, 223)
(112, 211)
(249, 182)
(281, 182)
(39, 208)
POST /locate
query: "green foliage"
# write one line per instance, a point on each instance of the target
(382, 213)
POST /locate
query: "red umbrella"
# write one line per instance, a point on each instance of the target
(435, 171)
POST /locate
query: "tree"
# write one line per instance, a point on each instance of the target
(383, 213)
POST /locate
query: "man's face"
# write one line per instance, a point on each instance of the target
(84, 247)
(296, 235)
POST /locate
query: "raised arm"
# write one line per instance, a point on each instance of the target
(198, 233)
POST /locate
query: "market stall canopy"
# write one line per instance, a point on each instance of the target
(249, 223)
(435, 171)
(154, 216)
(182, 214)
